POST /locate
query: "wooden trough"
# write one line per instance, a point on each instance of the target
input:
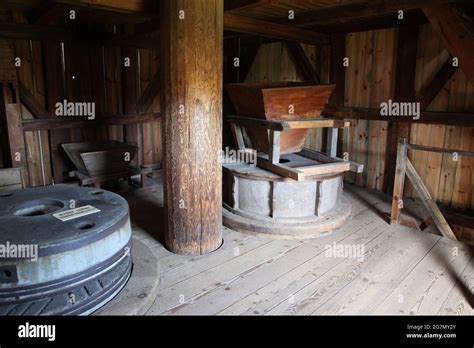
(278, 101)
(94, 159)
(98, 163)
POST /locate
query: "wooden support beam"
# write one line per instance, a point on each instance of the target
(132, 132)
(321, 157)
(191, 69)
(440, 150)
(286, 125)
(145, 7)
(404, 91)
(428, 202)
(50, 33)
(456, 32)
(30, 101)
(83, 122)
(337, 77)
(303, 173)
(284, 32)
(331, 141)
(431, 90)
(54, 82)
(238, 136)
(230, 5)
(302, 62)
(11, 119)
(399, 184)
(410, 18)
(274, 152)
(358, 10)
(434, 117)
(149, 94)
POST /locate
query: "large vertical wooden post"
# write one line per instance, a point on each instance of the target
(191, 76)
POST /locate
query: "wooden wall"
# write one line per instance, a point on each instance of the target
(81, 72)
(370, 80)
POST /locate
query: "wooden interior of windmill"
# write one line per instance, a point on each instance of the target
(238, 157)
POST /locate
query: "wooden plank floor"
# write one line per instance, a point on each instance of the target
(402, 270)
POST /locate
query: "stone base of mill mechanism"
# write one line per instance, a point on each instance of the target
(257, 201)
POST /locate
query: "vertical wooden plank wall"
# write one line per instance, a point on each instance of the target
(152, 149)
(92, 73)
(370, 80)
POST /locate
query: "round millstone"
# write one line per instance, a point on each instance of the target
(63, 250)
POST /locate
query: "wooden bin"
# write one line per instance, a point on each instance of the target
(278, 101)
(94, 159)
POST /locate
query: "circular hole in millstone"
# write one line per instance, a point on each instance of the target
(97, 192)
(37, 208)
(284, 160)
(5, 194)
(85, 225)
(6, 274)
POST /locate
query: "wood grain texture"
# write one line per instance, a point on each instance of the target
(456, 32)
(191, 76)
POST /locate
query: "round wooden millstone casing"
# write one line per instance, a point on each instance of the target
(257, 201)
(82, 238)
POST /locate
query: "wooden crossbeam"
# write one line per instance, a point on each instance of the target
(83, 122)
(302, 62)
(410, 18)
(230, 5)
(22, 31)
(284, 32)
(456, 32)
(404, 91)
(30, 101)
(405, 168)
(428, 202)
(440, 150)
(431, 90)
(434, 117)
(359, 9)
(149, 94)
(286, 125)
(399, 181)
(321, 157)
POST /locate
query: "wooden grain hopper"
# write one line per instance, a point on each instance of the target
(94, 159)
(278, 101)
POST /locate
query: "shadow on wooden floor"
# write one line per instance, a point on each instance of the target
(382, 209)
(147, 213)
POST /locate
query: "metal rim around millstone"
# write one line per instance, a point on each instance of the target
(82, 236)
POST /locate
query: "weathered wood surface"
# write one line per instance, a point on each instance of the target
(138, 295)
(10, 179)
(253, 26)
(428, 201)
(192, 107)
(456, 32)
(399, 184)
(256, 276)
